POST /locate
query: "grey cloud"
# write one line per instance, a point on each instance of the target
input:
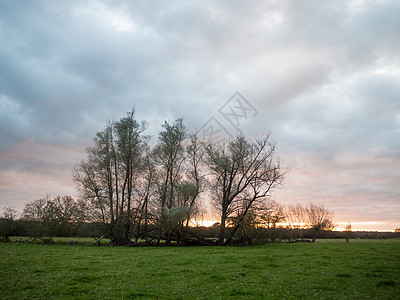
(322, 76)
(352, 38)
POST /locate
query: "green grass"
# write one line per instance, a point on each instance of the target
(60, 240)
(361, 269)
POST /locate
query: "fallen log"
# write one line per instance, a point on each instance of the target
(98, 240)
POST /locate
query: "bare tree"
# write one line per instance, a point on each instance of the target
(9, 213)
(271, 213)
(54, 216)
(67, 210)
(146, 190)
(195, 180)
(347, 229)
(313, 216)
(7, 222)
(293, 219)
(108, 177)
(243, 173)
(169, 156)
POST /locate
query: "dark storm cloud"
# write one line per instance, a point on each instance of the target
(323, 75)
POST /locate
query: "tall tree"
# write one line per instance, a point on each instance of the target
(244, 173)
(169, 155)
(146, 190)
(195, 183)
(107, 178)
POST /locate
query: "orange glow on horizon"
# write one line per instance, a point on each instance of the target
(356, 226)
(205, 223)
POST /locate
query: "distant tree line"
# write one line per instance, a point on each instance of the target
(45, 218)
(133, 191)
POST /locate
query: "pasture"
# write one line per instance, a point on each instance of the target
(328, 269)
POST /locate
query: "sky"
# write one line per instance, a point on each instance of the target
(323, 77)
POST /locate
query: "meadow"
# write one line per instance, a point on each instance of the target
(328, 269)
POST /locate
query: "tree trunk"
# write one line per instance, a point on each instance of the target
(239, 223)
(273, 232)
(314, 235)
(229, 239)
(221, 236)
(169, 239)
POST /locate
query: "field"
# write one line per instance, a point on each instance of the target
(328, 269)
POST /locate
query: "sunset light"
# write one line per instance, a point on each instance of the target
(199, 149)
(327, 94)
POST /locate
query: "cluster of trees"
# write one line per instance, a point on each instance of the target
(133, 189)
(313, 216)
(272, 221)
(7, 223)
(57, 216)
(64, 216)
(46, 217)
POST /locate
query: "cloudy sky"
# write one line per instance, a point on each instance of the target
(322, 76)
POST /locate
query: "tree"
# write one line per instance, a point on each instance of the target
(313, 216)
(272, 213)
(193, 186)
(40, 214)
(169, 154)
(247, 232)
(243, 174)
(7, 222)
(54, 217)
(145, 190)
(293, 218)
(260, 222)
(347, 229)
(108, 177)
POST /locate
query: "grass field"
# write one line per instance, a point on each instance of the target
(328, 269)
(62, 240)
